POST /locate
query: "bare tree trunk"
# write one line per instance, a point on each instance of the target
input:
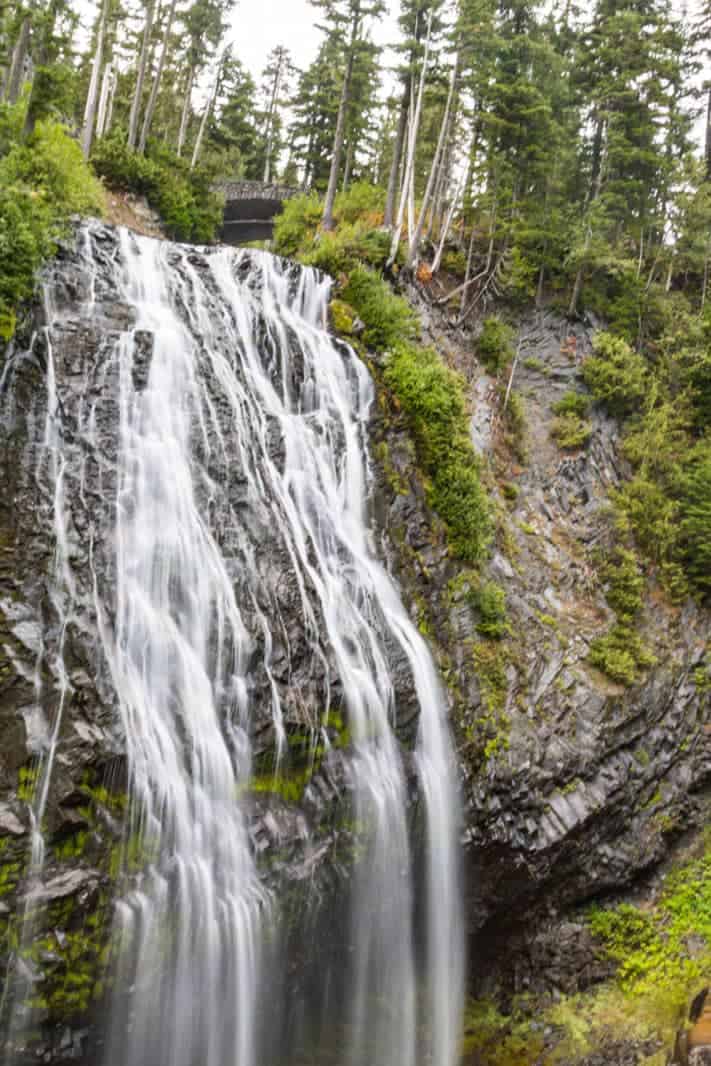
(153, 98)
(15, 76)
(349, 165)
(185, 115)
(397, 155)
(102, 114)
(513, 371)
(670, 275)
(468, 280)
(207, 112)
(110, 103)
(141, 75)
(461, 185)
(92, 96)
(327, 219)
(467, 272)
(417, 236)
(443, 172)
(411, 206)
(413, 130)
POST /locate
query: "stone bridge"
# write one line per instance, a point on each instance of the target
(250, 209)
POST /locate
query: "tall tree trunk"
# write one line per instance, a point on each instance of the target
(349, 165)
(467, 272)
(707, 144)
(185, 115)
(207, 112)
(397, 155)
(92, 97)
(443, 174)
(153, 98)
(327, 219)
(110, 102)
(104, 95)
(15, 76)
(461, 185)
(271, 114)
(413, 129)
(413, 250)
(141, 75)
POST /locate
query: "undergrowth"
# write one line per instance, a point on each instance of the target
(189, 211)
(43, 181)
(647, 1000)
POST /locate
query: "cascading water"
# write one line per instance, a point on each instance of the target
(237, 421)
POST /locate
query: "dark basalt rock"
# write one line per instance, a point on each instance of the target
(592, 784)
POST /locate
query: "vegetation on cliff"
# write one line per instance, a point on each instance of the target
(661, 957)
(43, 181)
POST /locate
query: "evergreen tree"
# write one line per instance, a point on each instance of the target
(344, 22)
(276, 92)
(231, 129)
(315, 108)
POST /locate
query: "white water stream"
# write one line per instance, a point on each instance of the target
(244, 383)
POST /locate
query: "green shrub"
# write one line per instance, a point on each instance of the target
(572, 403)
(624, 583)
(516, 425)
(532, 362)
(341, 250)
(432, 399)
(388, 318)
(295, 226)
(52, 162)
(431, 396)
(651, 946)
(454, 262)
(182, 197)
(648, 512)
(495, 344)
(42, 183)
(570, 431)
(620, 654)
(695, 516)
(616, 375)
(360, 201)
(489, 599)
(26, 229)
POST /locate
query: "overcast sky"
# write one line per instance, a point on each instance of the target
(260, 25)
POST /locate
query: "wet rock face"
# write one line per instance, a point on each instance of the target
(574, 787)
(53, 672)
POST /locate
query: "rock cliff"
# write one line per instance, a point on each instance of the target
(574, 787)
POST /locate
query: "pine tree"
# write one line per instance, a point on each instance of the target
(230, 131)
(344, 21)
(315, 109)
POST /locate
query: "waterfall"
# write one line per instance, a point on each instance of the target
(239, 436)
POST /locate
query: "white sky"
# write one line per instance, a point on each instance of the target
(260, 25)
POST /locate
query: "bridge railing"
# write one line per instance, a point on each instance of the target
(254, 190)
